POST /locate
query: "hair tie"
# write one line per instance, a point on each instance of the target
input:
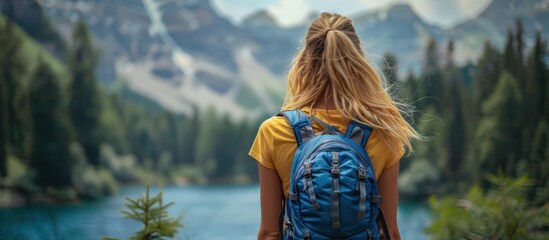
(326, 32)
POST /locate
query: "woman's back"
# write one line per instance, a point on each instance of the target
(275, 144)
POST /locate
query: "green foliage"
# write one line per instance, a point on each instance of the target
(3, 127)
(486, 75)
(112, 127)
(500, 213)
(537, 163)
(153, 214)
(497, 134)
(433, 87)
(480, 118)
(88, 180)
(126, 169)
(533, 105)
(181, 148)
(536, 80)
(51, 107)
(15, 109)
(455, 137)
(20, 177)
(50, 156)
(85, 100)
(509, 57)
(204, 155)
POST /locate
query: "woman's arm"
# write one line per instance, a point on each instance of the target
(388, 189)
(271, 203)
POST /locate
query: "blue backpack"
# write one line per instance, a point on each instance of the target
(333, 189)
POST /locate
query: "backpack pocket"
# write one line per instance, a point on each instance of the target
(329, 203)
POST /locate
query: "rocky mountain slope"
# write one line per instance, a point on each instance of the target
(182, 53)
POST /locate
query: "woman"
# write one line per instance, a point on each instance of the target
(331, 79)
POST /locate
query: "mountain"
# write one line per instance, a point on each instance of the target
(494, 22)
(28, 14)
(182, 54)
(396, 29)
(177, 52)
(259, 20)
(276, 45)
(499, 15)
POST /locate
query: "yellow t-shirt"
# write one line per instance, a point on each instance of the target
(275, 145)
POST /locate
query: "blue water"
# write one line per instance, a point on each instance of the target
(209, 213)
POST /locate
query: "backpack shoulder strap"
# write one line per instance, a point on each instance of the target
(301, 125)
(358, 132)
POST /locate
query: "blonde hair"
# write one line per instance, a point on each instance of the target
(332, 65)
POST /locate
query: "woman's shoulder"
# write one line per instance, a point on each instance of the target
(275, 124)
(276, 128)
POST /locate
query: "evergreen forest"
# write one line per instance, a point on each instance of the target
(65, 135)
(479, 118)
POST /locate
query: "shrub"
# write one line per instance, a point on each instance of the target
(501, 213)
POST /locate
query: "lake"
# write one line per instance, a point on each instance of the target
(210, 213)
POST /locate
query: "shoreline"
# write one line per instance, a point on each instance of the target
(13, 198)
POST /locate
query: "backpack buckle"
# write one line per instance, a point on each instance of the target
(362, 173)
(335, 170)
(308, 170)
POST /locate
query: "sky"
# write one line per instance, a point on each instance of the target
(444, 13)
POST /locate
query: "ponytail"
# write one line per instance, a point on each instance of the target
(332, 65)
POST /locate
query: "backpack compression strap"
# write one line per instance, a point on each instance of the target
(301, 125)
(358, 132)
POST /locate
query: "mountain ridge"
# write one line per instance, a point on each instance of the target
(182, 53)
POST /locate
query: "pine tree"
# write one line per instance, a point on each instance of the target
(513, 63)
(223, 148)
(509, 57)
(450, 75)
(532, 110)
(431, 57)
(520, 71)
(3, 127)
(486, 75)
(497, 132)
(172, 135)
(12, 71)
(206, 141)
(450, 51)
(50, 156)
(153, 214)
(538, 157)
(455, 138)
(85, 101)
(192, 137)
(513, 56)
(413, 94)
(434, 87)
(537, 78)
